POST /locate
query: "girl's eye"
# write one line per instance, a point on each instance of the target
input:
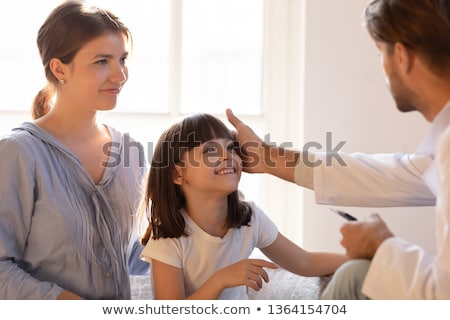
(123, 60)
(233, 146)
(209, 150)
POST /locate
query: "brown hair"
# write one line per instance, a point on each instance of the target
(421, 25)
(65, 31)
(163, 198)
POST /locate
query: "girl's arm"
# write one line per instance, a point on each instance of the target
(169, 284)
(167, 280)
(291, 257)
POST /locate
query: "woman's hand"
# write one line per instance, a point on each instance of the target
(67, 295)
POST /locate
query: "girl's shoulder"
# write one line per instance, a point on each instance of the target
(255, 209)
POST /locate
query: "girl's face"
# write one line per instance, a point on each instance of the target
(98, 72)
(214, 167)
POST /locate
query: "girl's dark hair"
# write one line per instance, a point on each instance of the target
(422, 25)
(65, 31)
(163, 198)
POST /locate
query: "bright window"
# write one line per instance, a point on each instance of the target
(188, 56)
(22, 73)
(221, 55)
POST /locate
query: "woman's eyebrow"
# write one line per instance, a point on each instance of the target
(108, 55)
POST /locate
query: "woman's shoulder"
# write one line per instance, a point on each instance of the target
(119, 135)
(20, 147)
(19, 139)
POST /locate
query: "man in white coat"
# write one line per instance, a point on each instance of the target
(413, 38)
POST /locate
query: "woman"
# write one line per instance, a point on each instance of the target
(67, 209)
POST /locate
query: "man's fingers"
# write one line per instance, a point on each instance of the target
(373, 217)
(235, 121)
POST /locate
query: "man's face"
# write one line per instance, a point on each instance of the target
(404, 97)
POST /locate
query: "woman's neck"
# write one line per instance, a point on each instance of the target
(70, 125)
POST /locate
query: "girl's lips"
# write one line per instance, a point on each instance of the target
(226, 171)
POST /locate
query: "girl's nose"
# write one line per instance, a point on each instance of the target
(226, 154)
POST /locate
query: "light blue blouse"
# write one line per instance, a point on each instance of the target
(58, 230)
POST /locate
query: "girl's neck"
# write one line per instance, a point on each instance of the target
(210, 215)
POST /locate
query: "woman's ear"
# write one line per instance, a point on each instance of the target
(59, 69)
(178, 175)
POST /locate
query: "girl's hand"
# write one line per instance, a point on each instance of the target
(248, 272)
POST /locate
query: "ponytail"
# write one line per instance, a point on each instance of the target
(41, 103)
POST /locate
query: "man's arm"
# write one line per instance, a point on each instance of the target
(260, 157)
(357, 179)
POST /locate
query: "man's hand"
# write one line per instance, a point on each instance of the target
(260, 157)
(251, 146)
(361, 239)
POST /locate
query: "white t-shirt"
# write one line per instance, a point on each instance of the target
(200, 255)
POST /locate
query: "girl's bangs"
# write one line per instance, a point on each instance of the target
(201, 128)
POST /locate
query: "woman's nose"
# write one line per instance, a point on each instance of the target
(119, 74)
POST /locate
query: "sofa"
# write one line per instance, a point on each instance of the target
(282, 285)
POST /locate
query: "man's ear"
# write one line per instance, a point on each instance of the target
(178, 175)
(59, 69)
(404, 56)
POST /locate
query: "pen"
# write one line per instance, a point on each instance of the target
(343, 214)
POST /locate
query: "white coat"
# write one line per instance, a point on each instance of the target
(399, 270)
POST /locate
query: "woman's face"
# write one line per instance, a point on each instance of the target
(98, 73)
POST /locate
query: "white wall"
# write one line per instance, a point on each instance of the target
(345, 94)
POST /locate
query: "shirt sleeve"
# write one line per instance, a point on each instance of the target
(401, 270)
(17, 189)
(136, 265)
(266, 230)
(166, 250)
(376, 180)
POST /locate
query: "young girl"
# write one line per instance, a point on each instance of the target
(201, 234)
